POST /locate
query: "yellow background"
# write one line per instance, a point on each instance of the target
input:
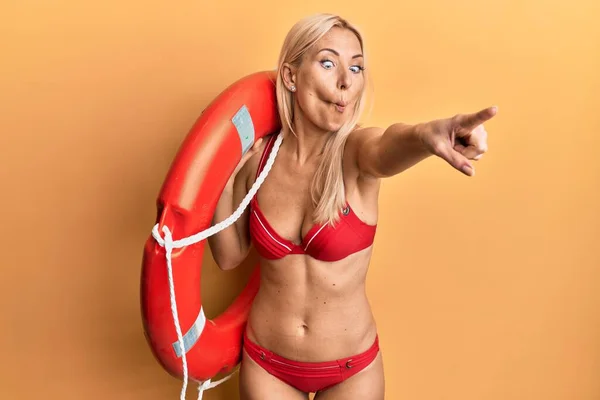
(483, 288)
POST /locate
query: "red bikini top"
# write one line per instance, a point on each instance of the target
(322, 242)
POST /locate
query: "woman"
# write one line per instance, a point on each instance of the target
(314, 219)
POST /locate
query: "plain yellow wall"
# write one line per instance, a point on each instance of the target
(483, 288)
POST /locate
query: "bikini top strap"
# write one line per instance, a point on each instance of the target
(265, 155)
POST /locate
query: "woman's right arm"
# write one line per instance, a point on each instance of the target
(230, 246)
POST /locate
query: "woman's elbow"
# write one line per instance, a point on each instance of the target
(232, 261)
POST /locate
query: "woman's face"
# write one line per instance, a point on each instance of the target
(329, 80)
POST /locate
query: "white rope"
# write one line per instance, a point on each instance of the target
(209, 385)
(169, 244)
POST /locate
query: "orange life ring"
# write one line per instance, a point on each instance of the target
(226, 129)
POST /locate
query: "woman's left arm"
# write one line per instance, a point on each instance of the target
(386, 152)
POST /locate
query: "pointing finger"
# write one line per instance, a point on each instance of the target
(471, 121)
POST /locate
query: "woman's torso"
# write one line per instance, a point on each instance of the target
(307, 309)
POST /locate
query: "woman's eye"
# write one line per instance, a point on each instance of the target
(327, 64)
(356, 68)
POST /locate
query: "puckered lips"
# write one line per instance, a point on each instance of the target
(339, 105)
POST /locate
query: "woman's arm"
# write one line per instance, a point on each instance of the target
(231, 246)
(383, 153)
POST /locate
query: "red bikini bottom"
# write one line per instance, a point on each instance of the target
(310, 377)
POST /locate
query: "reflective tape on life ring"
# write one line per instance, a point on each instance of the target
(192, 335)
(242, 120)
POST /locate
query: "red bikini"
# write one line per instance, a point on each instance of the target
(310, 377)
(324, 243)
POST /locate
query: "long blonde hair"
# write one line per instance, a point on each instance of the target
(327, 187)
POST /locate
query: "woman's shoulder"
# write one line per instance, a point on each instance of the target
(251, 166)
(358, 146)
(361, 134)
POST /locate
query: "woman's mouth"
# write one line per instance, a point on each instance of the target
(340, 106)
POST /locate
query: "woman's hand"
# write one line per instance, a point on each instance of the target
(458, 139)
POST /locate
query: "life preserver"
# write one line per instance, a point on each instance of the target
(226, 129)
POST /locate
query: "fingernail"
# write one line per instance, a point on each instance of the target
(468, 170)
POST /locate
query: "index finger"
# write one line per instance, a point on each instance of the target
(470, 121)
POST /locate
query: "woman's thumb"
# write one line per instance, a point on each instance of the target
(457, 160)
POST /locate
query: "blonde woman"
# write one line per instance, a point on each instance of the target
(314, 219)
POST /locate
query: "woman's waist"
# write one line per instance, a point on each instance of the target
(312, 330)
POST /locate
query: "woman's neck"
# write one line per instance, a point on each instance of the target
(308, 142)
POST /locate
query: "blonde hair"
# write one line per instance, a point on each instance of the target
(327, 187)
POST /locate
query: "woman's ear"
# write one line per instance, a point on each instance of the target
(288, 74)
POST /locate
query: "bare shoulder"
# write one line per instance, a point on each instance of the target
(356, 178)
(358, 148)
(250, 168)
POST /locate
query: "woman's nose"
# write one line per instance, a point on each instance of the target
(344, 80)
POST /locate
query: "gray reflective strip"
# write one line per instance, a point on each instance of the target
(245, 128)
(191, 337)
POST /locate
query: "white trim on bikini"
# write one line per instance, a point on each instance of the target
(315, 235)
(269, 233)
